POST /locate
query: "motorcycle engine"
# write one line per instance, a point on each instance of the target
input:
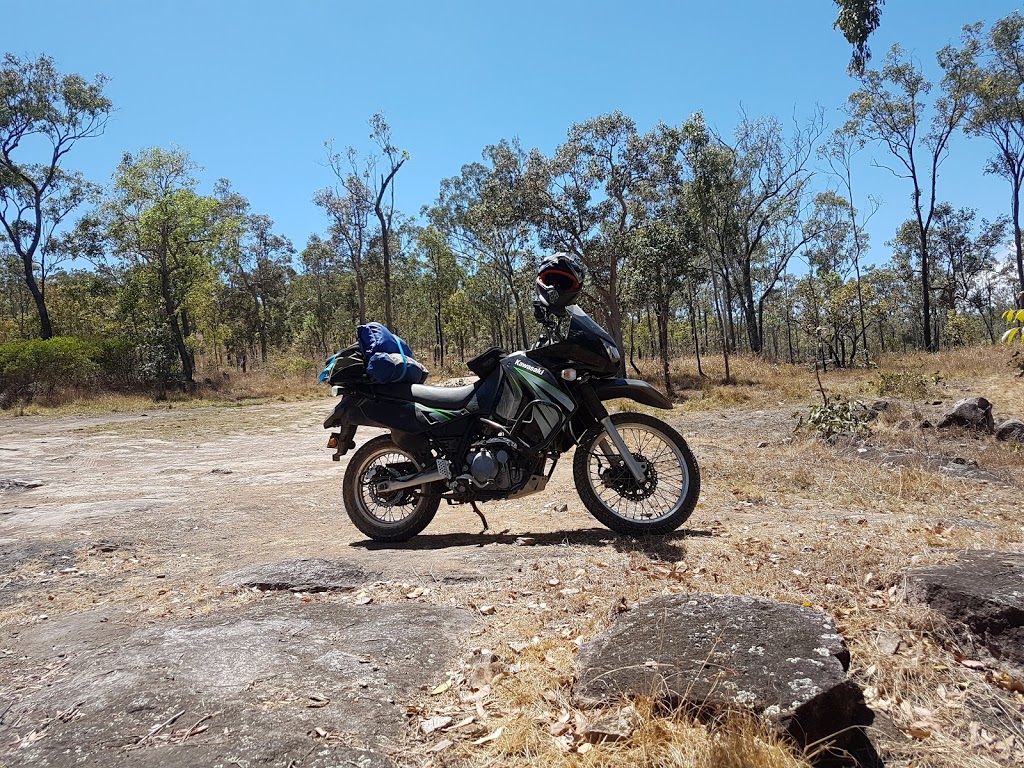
(493, 466)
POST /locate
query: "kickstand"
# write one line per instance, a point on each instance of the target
(480, 515)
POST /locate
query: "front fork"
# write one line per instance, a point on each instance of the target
(593, 403)
(636, 468)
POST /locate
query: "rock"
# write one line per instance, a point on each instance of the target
(18, 485)
(779, 660)
(984, 594)
(481, 667)
(616, 725)
(248, 675)
(873, 411)
(1011, 430)
(307, 575)
(972, 412)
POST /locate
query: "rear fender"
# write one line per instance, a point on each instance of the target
(363, 411)
(633, 389)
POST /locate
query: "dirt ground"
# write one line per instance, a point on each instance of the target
(136, 518)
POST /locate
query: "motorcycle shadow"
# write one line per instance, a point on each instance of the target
(666, 547)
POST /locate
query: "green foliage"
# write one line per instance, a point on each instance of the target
(42, 115)
(957, 330)
(857, 20)
(1013, 334)
(907, 384)
(39, 367)
(836, 418)
(293, 367)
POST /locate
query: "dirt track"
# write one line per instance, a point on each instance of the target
(133, 520)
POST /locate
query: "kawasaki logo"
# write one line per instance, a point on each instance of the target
(530, 368)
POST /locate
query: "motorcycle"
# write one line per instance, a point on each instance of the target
(501, 437)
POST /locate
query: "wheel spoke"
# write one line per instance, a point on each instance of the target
(619, 493)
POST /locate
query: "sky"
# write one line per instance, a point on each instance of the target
(253, 90)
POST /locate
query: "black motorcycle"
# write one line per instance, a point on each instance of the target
(501, 437)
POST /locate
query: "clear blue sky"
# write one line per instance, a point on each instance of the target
(252, 90)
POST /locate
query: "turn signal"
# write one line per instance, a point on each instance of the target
(333, 441)
(569, 374)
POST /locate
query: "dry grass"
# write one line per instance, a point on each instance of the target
(782, 515)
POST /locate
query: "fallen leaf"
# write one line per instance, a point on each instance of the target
(491, 736)
(442, 687)
(972, 664)
(435, 724)
(316, 701)
(582, 749)
(488, 610)
(442, 745)
(559, 728)
(918, 732)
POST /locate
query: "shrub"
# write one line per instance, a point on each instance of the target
(38, 367)
(293, 366)
(903, 384)
(836, 418)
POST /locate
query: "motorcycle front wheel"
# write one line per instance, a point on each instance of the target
(394, 516)
(658, 504)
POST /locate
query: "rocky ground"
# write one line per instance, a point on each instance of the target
(139, 627)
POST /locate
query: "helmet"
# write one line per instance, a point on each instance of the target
(559, 282)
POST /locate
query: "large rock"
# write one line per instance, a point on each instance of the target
(776, 659)
(1011, 430)
(984, 593)
(303, 575)
(972, 412)
(284, 684)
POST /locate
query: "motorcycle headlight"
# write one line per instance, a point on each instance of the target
(612, 351)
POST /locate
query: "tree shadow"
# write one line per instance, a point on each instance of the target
(668, 547)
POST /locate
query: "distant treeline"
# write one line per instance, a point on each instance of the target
(695, 243)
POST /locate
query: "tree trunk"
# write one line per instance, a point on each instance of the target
(662, 313)
(721, 310)
(1017, 244)
(172, 316)
(693, 330)
(45, 328)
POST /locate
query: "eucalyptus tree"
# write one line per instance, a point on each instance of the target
(839, 152)
(43, 114)
(591, 197)
(891, 107)
(165, 234)
(365, 186)
(440, 278)
(714, 188)
(998, 112)
(754, 196)
(350, 207)
(262, 266)
(857, 20)
(665, 252)
(482, 214)
(965, 253)
(316, 290)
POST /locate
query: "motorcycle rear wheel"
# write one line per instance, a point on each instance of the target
(659, 504)
(397, 516)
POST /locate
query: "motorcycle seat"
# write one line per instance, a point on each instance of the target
(449, 398)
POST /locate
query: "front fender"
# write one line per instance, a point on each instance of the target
(634, 389)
